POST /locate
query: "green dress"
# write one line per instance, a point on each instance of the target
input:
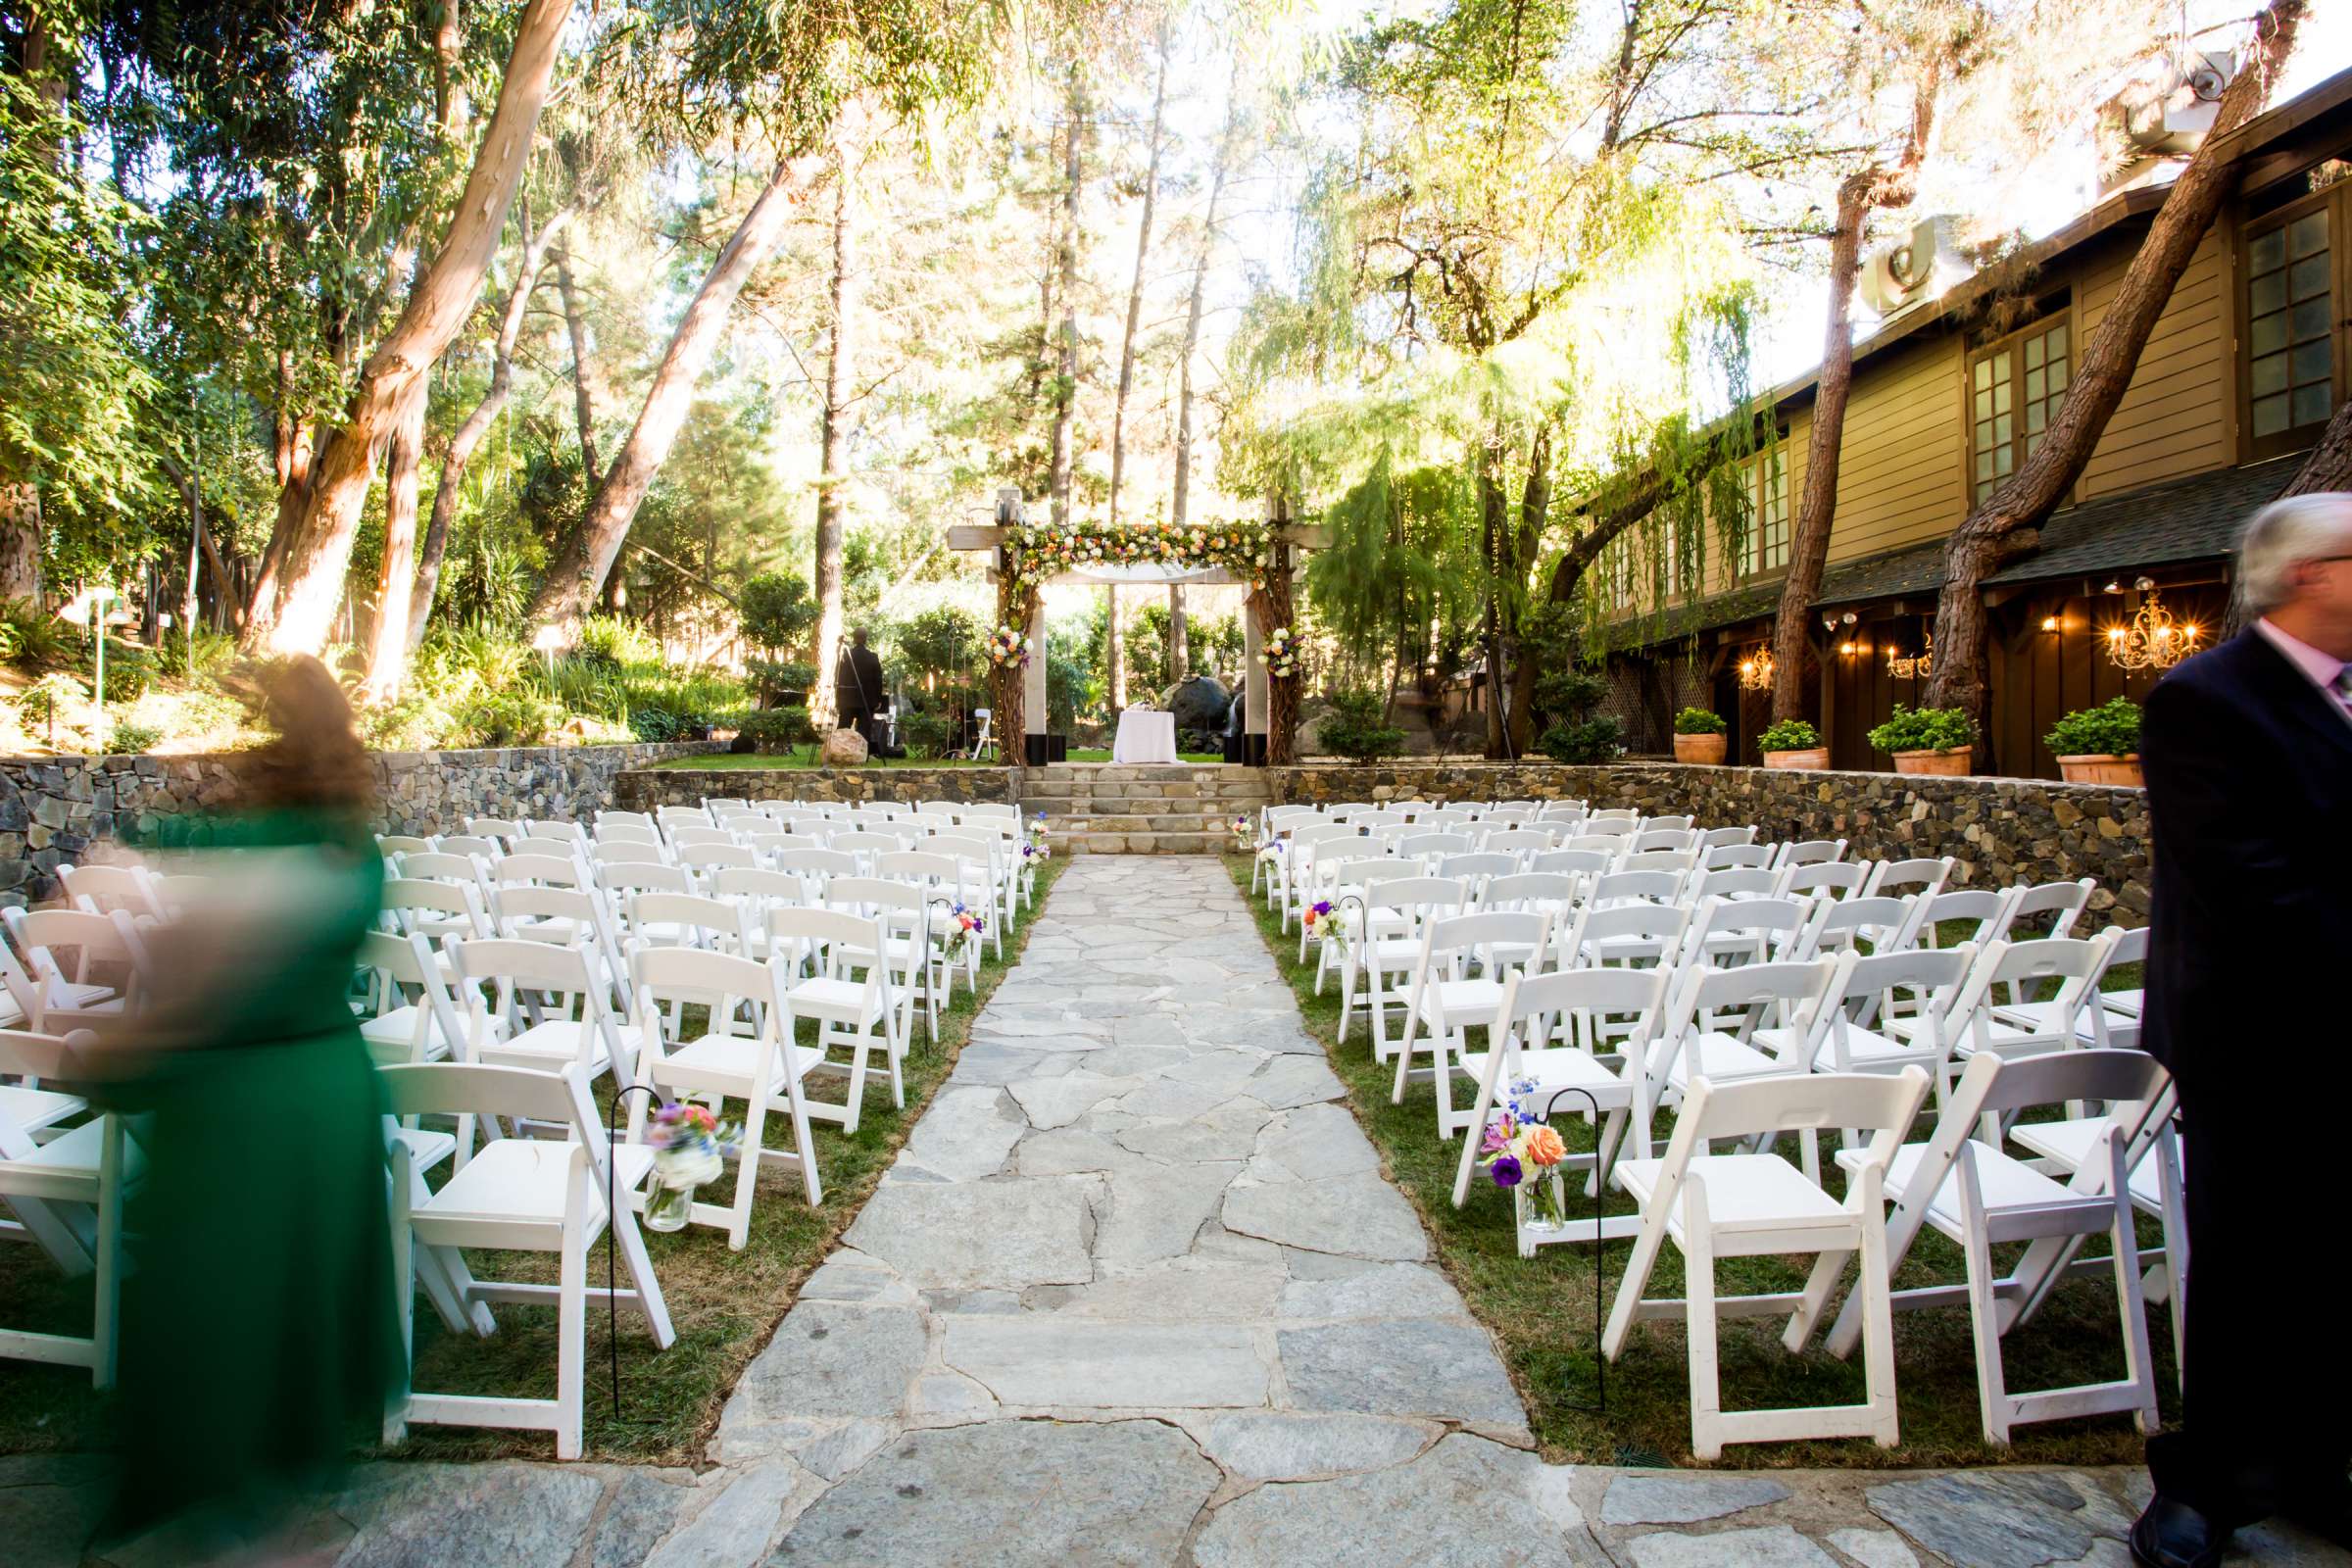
(259, 1343)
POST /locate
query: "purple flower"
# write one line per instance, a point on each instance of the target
(1505, 1171)
(1497, 1138)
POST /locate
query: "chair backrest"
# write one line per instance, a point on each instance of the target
(1646, 885)
(1543, 1000)
(1867, 987)
(1784, 994)
(1504, 940)
(493, 828)
(399, 964)
(688, 919)
(635, 820)
(1681, 862)
(488, 848)
(2074, 963)
(26, 1053)
(104, 888)
(1664, 838)
(405, 898)
(1577, 863)
(1838, 878)
(1923, 877)
(627, 851)
(1988, 907)
(534, 981)
(684, 837)
(1879, 1103)
(467, 1088)
(1746, 882)
(1518, 840)
(1726, 838)
(546, 871)
(626, 832)
(1740, 858)
(1532, 890)
(817, 863)
(1637, 921)
(1887, 923)
(1751, 930)
(710, 857)
(386, 845)
(547, 844)
(1426, 894)
(45, 936)
(1812, 852)
(1611, 845)
(1624, 817)
(643, 876)
(2057, 903)
(437, 866)
(716, 981)
(836, 936)
(1428, 848)
(1475, 870)
(1669, 823)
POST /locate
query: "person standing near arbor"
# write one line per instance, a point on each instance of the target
(2247, 750)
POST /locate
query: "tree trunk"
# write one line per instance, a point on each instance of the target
(291, 611)
(1114, 673)
(450, 106)
(2329, 466)
(2003, 524)
(1881, 185)
(1135, 290)
(834, 442)
(583, 402)
(1066, 389)
(388, 640)
(20, 543)
(1180, 652)
(1492, 528)
(1535, 513)
(1180, 502)
(476, 425)
(588, 551)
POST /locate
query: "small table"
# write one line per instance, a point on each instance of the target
(1146, 735)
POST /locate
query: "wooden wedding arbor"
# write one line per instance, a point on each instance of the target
(1024, 558)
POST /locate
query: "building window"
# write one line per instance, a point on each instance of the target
(2014, 390)
(2290, 350)
(1766, 547)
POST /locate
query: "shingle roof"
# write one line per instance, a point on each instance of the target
(2195, 518)
(2186, 519)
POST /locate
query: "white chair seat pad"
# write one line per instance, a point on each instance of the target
(2070, 1142)
(79, 1153)
(1462, 1001)
(1563, 1067)
(1745, 1192)
(1712, 1054)
(426, 1146)
(2007, 1183)
(733, 1056)
(837, 999)
(523, 1179)
(559, 1040)
(35, 1108)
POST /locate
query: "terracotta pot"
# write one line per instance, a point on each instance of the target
(1707, 750)
(1952, 760)
(2093, 769)
(1812, 756)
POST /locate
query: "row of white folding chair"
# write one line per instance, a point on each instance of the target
(66, 969)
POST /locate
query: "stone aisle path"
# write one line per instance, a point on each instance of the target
(1135, 1293)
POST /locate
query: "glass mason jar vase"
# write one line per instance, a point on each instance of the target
(669, 1207)
(1542, 1210)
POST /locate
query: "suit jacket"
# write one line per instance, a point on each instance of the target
(2249, 774)
(858, 680)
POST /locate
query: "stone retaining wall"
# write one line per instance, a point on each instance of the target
(643, 789)
(72, 808)
(2000, 830)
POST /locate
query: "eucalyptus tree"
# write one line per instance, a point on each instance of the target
(772, 78)
(1529, 212)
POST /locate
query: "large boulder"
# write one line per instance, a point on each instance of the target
(1199, 703)
(843, 748)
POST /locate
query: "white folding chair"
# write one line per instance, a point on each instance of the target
(64, 951)
(547, 1009)
(854, 1012)
(1712, 1020)
(518, 1195)
(2106, 1018)
(104, 888)
(1751, 1203)
(66, 1195)
(1979, 1196)
(1920, 878)
(1740, 856)
(1448, 1000)
(753, 1061)
(408, 1014)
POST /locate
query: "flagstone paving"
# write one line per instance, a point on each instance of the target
(1135, 1293)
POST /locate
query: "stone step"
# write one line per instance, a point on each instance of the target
(1141, 843)
(1138, 822)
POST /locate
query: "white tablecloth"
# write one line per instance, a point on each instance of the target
(1145, 736)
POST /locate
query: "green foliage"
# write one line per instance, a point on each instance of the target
(1924, 729)
(1356, 729)
(1788, 735)
(127, 738)
(1600, 739)
(943, 641)
(129, 670)
(778, 611)
(609, 641)
(775, 729)
(927, 734)
(1569, 695)
(1697, 721)
(32, 637)
(2111, 729)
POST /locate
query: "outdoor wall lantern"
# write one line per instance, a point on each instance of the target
(1755, 671)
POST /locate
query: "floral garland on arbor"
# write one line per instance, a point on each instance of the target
(1035, 553)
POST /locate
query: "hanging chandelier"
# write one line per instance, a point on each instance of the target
(2153, 640)
(1918, 666)
(1755, 671)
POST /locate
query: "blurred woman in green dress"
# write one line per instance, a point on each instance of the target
(259, 1347)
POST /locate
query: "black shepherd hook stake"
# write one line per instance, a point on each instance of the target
(1600, 1273)
(613, 1227)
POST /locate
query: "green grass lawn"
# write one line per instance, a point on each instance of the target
(723, 1304)
(1540, 1310)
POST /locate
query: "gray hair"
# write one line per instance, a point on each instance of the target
(2280, 537)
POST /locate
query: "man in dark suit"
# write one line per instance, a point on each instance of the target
(857, 685)
(2248, 755)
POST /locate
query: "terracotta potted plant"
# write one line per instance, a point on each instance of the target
(1699, 737)
(1794, 743)
(2098, 745)
(1927, 740)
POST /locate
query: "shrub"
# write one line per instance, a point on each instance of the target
(1788, 735)
(129, 738)
(1569, 694)
(2111, 729)
(1355, 727)
(778, 611)
(130, 670)
(1584, 740)
(611, 642)
(521, 717)
(1922, 729)
(927, 734)
(773, 678)
(32, 637)
(775, 729)
(1697, 721)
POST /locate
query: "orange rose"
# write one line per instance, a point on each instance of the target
(1544, 1146)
